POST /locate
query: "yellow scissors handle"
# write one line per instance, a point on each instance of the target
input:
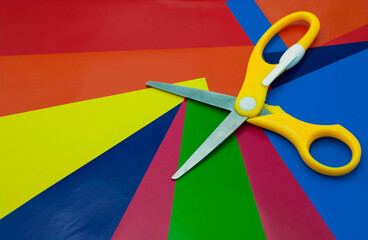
(302, 134)
(260, 74)
(305, 41)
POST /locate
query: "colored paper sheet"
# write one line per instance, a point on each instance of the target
(148, 214)
(254, 23)
(285, 210)
(41, 147)
(337, 17)
(214, 200)
(358, 35)
(334, 94)
(42, 26)
(89, 203)
(315, 58)
(40, 81)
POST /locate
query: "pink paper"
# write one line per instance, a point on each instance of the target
(148, 215)
(285, 210)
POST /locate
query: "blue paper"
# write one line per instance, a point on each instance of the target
(335, 94)
(254, 23)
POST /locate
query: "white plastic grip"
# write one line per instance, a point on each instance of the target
(288, 60)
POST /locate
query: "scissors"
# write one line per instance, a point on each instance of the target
(249, 106)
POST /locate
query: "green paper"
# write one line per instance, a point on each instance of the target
(214, 200)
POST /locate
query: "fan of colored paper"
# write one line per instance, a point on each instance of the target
(88, 151)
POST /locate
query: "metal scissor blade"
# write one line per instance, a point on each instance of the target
(223, 131)
(211, 98)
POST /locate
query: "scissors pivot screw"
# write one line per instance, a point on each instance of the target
(247, 103)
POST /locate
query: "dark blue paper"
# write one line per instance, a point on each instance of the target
(89, 203)
(315, 58)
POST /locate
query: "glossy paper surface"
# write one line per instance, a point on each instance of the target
(39, 81)
(334, 94)
(72, 80)
(216, 194)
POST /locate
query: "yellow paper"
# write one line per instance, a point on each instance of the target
(41, 147)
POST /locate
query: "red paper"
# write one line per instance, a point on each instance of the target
(64, 26)
(149, 212)
(285, 210)
(358, 35)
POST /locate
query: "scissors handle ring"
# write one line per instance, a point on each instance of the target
(337, 132)
(305, 41)
(260, 74)
(303, 134)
